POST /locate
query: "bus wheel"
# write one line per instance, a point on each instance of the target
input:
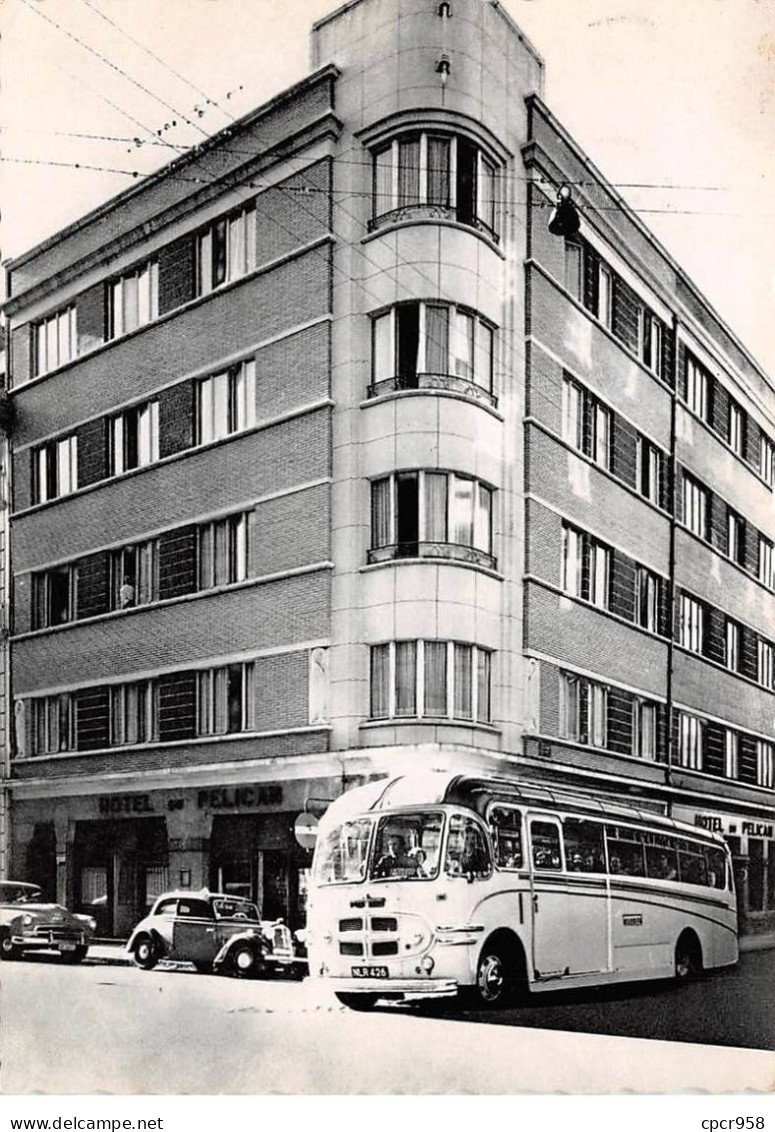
(492, 977)
(357, 1001)
(688, 957)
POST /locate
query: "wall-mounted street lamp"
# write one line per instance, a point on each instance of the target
(565, 219)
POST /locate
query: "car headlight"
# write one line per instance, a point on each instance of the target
(27, 920)
(92, 923)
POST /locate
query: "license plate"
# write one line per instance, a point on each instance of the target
(369, 972)
(67, 946)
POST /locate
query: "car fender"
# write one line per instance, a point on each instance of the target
(252, 937)
(140, 930)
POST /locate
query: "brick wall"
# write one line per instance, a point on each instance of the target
(291, 531)
(282, 691)
(716, 692)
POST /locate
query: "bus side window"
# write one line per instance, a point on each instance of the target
(506, 831)
(717, 868)
(545, 845)
(583, 846)
(692, 867)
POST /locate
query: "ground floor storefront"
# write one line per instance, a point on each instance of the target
(111, 852)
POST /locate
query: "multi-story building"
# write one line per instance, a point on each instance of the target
(330, 459)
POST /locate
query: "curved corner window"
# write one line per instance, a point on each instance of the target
(437, 176)
(431, 515)
(429, 345)
(430, 680)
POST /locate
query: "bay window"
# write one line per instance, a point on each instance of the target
(426, 345)
(437, 174)
(429, 514)
(430, 680)
(133, 300)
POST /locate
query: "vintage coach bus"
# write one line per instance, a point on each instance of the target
(431, 884)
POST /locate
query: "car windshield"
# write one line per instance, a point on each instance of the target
(20, 894)
(407, 847)
(235, 910)
(342, 854)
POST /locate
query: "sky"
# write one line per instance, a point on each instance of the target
(673, 100)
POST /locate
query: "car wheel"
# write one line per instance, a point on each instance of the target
(244, 961)
(688, 958)
(204, 968)
(146, 953)
(76, 956)
(8, 950)
(362, 1002)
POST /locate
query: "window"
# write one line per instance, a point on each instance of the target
(545, 847)
(226, 402)
(648, 594)
(134, 576)
(766, 459)
(765, 562)
(56, 341)
(53, 724)
(55, 469)
(419, 345)
(735, 537)
(439, 172)
(573, 398)
(430, 679)
(764, 667)
(732, 646)
(651, 340)
(467, 852)
(649, 470)
(586, 423)
(133, 300)
(226, 698)
(134, 438)
(574, 269)
(583, 710)
(692, 624)
(584, 850)
(697, 388)
(132, 713)
(223, 552)
(644, 729)
(54, 596)
(425, 513)
(690, 741)
(765, 764)
(506, 831)
(226, 250)
(731, 754)
(586, 567)
(695, 506)
(736, 433)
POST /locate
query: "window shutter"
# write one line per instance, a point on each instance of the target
(176, 274)
(620, 723)
(92, 451)
(93, 585)
(177, 706)
(622, 585)
(176, 418)
(177, 563)
(91, 318)
(715, 635)
(625, 314)
(591, 280)
(719, 409)
(92, 716)
(715, 748)
(624, 451)
(21, 355)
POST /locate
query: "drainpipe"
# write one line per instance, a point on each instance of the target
(671, 482)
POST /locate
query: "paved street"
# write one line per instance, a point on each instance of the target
(121, 1030)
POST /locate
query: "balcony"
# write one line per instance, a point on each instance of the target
(447, 382)
(411, 213)
(448, 551)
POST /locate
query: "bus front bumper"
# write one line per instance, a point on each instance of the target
(387, 988)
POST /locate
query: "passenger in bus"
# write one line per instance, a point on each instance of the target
(615, 864)
(666, 869)
(396, 861)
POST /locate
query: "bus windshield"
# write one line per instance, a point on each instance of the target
(342, 855)
(407, 847)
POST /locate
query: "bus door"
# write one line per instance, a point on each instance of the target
(570, 897)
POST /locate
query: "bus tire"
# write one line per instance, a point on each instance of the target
(500, 973)
(362, 1002)
(688, 957)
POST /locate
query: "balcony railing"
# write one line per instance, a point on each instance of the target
(450, 382)
(449, 551)
(409, 212)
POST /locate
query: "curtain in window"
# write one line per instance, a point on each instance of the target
(408, 172)
(205, 263)
(483, 519)
(463, 708)
(435, 507)
(406, 678)
(380, 513)
(438, 171)
(435, 678)
(383, 181)
(239, 566)
(382, 359)
(64, 477)
(221, 553)
(436, 339)
(462, 511)
(380, 679)
(236, 258)
(483, 360)
(485, 204)
(464, 345)
(131, 289)
(220, 405)
(484, 666)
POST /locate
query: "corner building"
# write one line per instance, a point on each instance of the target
(331, 461)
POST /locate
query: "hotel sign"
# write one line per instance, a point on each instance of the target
(721, 823)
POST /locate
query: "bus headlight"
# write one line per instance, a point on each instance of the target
(428, 963)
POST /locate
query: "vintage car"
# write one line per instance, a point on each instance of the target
(28, 922)
(215, 932)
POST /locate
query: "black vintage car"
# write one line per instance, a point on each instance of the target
(215, 932)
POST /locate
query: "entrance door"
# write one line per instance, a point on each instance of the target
(570, 897)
